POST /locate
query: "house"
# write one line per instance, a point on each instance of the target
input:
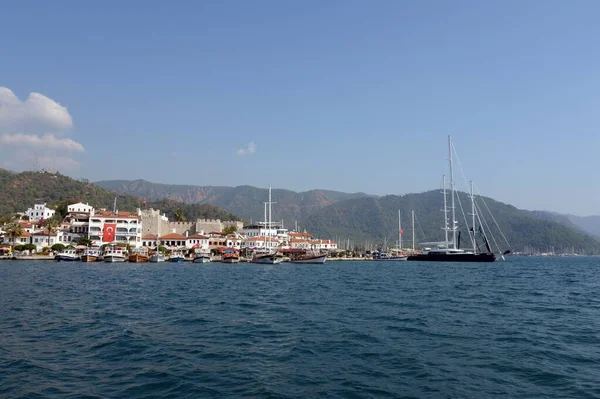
(149, 240)
(173, 240)
(21, 240)
(80, 207)
(261, 243)
(198, 241)
(39, 211)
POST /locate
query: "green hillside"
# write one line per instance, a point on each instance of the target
(375, 220)
(19, 191)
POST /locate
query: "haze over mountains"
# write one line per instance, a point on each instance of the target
(361, 217)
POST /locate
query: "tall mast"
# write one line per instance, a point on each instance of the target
(452, 191)
(265, 225)
(473, 215)
(399, 231)
(445, 210)
(413, 229)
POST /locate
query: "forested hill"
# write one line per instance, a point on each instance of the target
(361, 218)
(376, 219)
(19, 191)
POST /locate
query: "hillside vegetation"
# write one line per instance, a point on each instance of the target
(19, 191)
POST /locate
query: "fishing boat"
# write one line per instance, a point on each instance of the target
(156, 257)
(138, 255)
(230, 256)
(67, 255)
(449, 250)
(380, 256)
(114, 255)
(176, 256)
(91, 255)
(309, 258)
(267, 255)
(201, 257)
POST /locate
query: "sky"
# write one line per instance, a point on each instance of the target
(355, 96)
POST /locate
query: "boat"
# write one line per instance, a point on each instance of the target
(114, 255)
(156, 257)
(201, 257)
(230, 256)
(449, 250)
(67, 255)
(380, 256)
(267, 256)
(138, 255)
(176, 256)
(309, 258)
(90, 255)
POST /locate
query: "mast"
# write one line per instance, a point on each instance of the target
(399, 231)
(452, 191)
(445, 210)
(473, 215)
(266, 225)
(413, 229)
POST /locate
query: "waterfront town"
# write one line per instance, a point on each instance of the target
(85, 226)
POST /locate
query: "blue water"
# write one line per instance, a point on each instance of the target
(527, 327)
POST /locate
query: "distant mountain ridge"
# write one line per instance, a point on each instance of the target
(362, 218)
(246, 201)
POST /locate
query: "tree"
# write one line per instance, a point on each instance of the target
(230, 229)
(14, 230)
(29, 247)
(51, 226)
(18, 247)
(84, 241)
(179, 216)
(57, 247)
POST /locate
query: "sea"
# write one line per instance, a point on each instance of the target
(520, 328)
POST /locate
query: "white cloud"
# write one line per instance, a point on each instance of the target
(32, 133)
(37, 113)
(47, 141)
(250, 148)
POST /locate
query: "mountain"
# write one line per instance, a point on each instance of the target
(376, 219)
(361, 218)
(247, 201)
(589, 224)
(19, 191)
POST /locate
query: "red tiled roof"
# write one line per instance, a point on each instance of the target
(149, 237)
(197, 237)
(173, 236)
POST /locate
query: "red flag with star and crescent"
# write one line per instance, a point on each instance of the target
(108, 232)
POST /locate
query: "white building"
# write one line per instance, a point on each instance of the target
(39, 211)
(261, 243)
(80, 207)
(106, 227)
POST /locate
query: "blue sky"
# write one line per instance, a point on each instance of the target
(344, 95)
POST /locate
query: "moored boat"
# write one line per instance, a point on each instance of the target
(201, 257)
(138, 255)
(114, 255)
(90, 255)
(67, 255)
(308, 258)
(268, 258)
(157, 257)
(230, 256)
(176, 256)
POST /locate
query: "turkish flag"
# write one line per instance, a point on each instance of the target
(108, 232)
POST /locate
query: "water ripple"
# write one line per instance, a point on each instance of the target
(524, 328)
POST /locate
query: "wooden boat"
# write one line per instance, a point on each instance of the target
(230, 256)
(139, 256)
(114, 255)
(308, 258)
(90, 255)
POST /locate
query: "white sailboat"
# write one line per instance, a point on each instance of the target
(267, 256)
